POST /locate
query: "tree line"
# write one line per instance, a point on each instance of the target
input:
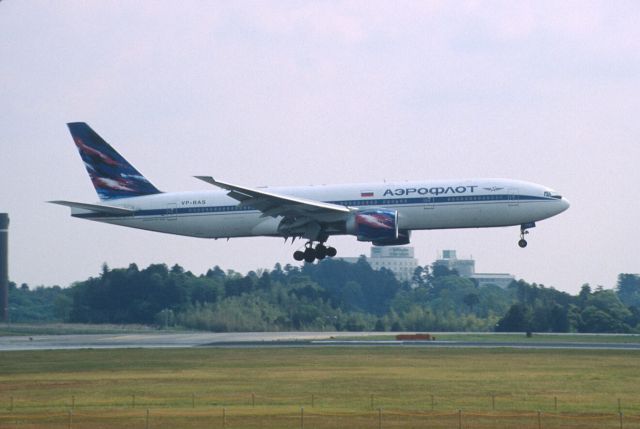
(331, 295)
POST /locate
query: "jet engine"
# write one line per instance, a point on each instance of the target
(404, 236)
(373, 225)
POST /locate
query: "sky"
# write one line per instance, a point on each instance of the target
(294, 93)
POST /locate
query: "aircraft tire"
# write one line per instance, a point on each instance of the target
(331, 252)
(298, 255)
(522, 243)
(309, 255)
(321, 251)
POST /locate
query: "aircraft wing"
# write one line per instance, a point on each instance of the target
(99, 208)
(274, 205)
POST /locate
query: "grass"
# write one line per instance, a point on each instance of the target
(21, 329)
(183, 387)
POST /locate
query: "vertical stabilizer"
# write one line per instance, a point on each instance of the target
(111, 174)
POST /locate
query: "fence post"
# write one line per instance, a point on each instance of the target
(555, 403)
(459, 419)
(379, 418)
(433, 403)
(253, 399)
(619, 406)
(11, 404)
(73, 402)
(70, 419)
(539, 420)
(146, 420)
(301, 417)
(224, 417)
(620, 420)
(493, 402)
(193, 400)
(133, 401)
(312, 400)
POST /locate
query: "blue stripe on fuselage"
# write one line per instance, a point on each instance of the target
(484, 199)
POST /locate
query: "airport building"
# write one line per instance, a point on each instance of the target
(398, 259)
(467, 268)
(401, 261)
(464, 267)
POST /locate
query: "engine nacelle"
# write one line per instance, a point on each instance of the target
(373, 225)
(404, 237)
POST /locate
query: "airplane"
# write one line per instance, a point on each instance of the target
(384, 214)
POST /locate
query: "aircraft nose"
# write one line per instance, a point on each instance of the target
(564, 204)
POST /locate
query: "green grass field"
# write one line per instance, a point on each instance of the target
(19, 329)
(338, 387)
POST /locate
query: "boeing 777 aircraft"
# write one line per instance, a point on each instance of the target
(381, 213)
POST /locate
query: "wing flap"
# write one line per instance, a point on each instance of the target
(271, 204)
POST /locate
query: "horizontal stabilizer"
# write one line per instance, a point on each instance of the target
(98, 208)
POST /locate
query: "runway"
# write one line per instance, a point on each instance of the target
(270, 339)
(485, 345)
(166, 340)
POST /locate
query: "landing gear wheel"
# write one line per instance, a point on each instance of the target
(523, 231)
(321, 251)
(309, 255)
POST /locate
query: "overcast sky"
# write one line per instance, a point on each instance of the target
(293, 93)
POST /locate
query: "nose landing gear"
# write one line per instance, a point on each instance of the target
(310, 254)
(522, 242)
(523, 230)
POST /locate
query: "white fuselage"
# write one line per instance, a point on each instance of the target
(476, 203)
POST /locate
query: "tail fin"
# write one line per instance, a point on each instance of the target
(111, 174)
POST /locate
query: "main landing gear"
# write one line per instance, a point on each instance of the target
(310, 254)
(523, 230)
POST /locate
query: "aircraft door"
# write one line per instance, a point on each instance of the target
(513, 197)
(428, 203)
(171, 212)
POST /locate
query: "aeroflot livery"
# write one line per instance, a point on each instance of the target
(381, 213)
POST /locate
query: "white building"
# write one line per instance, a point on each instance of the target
(398, 259)
(464, 267)
(467, 268)
(498, 279)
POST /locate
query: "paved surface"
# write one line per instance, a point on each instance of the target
(163, 340)
(265, 339)
(486, 345)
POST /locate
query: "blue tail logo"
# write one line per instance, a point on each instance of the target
(111, 174)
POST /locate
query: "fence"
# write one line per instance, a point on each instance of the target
(302, 418)
(370, 401)
(154, 411)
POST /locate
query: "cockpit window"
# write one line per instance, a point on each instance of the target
(555, 195)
